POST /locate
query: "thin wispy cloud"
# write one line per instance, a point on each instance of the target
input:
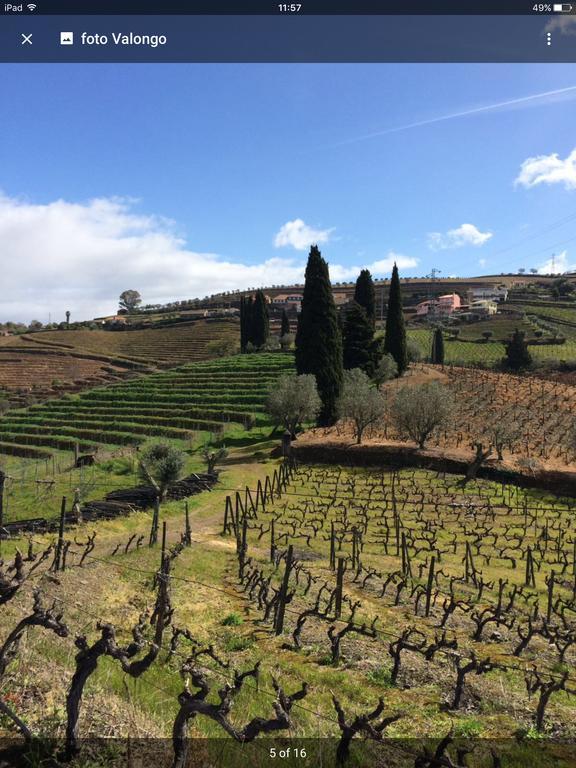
(521, 101)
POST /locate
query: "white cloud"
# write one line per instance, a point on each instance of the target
(378, 268)
(300, 236)
(80, 256)
(482, 262)
(556, 265)
(565, 25)
(548, 169)
(465, 234)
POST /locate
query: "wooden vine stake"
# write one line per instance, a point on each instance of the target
(284, 592)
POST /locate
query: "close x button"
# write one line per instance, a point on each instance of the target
(26, 39)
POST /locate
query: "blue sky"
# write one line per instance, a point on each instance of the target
(179, 180)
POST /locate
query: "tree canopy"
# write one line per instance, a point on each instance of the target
(293, 400)
(437, 356)
(130, 300)
(364, 294)
(518, 356)
(395, 335)
(422, 409)
(318, 338)
(359, 349)
(161, 464)
(254, 321)
(360, 402)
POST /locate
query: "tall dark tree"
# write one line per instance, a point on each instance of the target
(358, 339)
(246, 317)
(243, 329)
(517, 354)
(437, 356)
(260, 321)
(395, 336)
(365, 295)
(285, 327)
(318, 338)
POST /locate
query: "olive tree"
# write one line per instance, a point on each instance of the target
(504, 433)
(422, 409)
(386, 370)
(293, 400)
(213, 456)
(161, 464)
(360, 402)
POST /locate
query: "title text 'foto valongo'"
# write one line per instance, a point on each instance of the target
(123, 38)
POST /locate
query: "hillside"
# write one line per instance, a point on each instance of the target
(433, 571)
(171, 404)
(42, 364)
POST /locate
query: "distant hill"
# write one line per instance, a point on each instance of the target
(44, 363)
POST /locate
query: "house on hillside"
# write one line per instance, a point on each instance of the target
(488, 294)
(442, 306)
(483, 307)
(341, 298)
(113, 320)
(288, 301)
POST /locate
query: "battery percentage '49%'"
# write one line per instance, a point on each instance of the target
(542, 8)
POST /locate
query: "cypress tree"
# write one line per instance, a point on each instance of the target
(437, 355)
(247, 321)
(365, 295)
(243, 325)
(357, 339)
(318, 339)
(285, 327)
(260, 321)
(395, 336)
(517, 354)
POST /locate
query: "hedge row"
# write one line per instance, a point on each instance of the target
(61, 443)
(24, 451)
(103, 396)
(99, 426)
(96, 420)
(114, 437)
(161, 411)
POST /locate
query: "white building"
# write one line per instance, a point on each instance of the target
(489, 294)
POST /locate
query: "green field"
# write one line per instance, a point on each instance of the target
(461, 352)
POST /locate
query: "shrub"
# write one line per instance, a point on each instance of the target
(386, 370)
(232, 620)
(413, 351)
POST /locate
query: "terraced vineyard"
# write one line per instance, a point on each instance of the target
(170, 404)
(459, 351)
(162, 347)
(36, 366)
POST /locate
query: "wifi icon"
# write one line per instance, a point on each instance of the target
(31, 7)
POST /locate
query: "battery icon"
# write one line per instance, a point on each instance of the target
(562, 7)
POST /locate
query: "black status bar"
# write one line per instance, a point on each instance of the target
(271, 7)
